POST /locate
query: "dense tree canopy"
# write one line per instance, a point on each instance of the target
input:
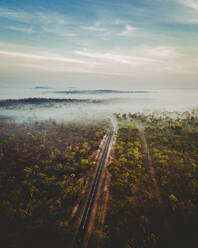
(154, 198)
(44, 167)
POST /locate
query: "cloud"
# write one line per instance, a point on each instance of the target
(118, 58)
(192, 21)
(148, 60)
(52, 17)
(33, 17)
(45, 23)
(127, 31)
(162, 52)
(47, 57)
(48, 22)
(21, 29)
(94, 28)
(72, 69)
(138, 62)
(193, 4)
(188, 14)
(11, 14)
(107, 56)
(59, 31)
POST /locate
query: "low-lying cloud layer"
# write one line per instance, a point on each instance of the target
(82, 104)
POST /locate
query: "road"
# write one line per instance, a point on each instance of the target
(80, 237)
(149, 159)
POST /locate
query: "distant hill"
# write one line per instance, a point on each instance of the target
(42, 87)
(35, 101)
(101, 91)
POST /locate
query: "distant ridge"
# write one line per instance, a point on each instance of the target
(13, 102)
(100, 91)
(42, 87)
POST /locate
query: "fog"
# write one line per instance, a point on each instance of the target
(43, 103)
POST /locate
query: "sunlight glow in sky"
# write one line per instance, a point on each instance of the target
(99, 44)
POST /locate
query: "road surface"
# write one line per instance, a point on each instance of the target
(80, 237)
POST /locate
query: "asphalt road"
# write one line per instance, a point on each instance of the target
(92, 196)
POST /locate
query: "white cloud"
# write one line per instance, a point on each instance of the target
(127, 31)
(189, 13)
(117, 58)
(11, 14)
(51, 17)
(108, 56)
(47, 57)
(94, 28)
(65, 34)
(162, 52)
(72, 69)
(21, 29)
(59, 31)
(33, 17)
(193, 21)
(140, 61)
(49, 22)
(193, 4)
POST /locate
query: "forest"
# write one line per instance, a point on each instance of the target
(44, 168)
(154, 182)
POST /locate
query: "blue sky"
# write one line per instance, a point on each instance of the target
(99, 44)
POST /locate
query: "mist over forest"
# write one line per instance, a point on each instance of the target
(45, 103)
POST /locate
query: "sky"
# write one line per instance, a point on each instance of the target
(125, 44)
